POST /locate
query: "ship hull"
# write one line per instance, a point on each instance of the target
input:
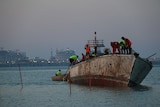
(109, 70)
(140, 70)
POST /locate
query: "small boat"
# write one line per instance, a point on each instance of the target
(109, 69)
(59, 78)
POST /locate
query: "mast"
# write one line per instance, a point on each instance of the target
(96, 44)
(95, 48)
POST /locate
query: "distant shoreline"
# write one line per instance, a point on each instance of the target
(33, 65)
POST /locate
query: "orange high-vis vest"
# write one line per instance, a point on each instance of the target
(87, 49)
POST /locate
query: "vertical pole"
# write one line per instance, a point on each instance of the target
(90, 82)
(70, 83)
(20, 74)
(95, 40)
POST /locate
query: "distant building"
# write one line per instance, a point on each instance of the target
(63, 55)
(11, 57)
(8, 57)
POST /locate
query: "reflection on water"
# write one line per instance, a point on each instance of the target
(141, 88)
(40, 91)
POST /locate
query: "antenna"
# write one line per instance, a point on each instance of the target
(51, 53)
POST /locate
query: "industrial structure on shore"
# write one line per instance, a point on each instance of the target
(9, 58)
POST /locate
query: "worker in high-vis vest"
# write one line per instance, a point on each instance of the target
(122, 46)
(93, 54)
(115, 45)
(58, 73)
(87, 48)
(73, 59)
(128, 45)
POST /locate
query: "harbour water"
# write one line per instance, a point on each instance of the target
(40, 91)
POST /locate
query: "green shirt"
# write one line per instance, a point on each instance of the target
(58, 73)
(122, 43)
(73, 57)
(93, 54)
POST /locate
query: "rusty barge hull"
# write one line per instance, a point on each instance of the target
(110, 70)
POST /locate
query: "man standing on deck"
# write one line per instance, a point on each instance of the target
(128, 45)
(87, 48)
(122, 45)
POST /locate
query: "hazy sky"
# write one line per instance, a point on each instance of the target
(36, 26)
